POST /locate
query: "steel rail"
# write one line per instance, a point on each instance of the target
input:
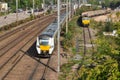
(21, 56)
(21, 47)
(17, 40)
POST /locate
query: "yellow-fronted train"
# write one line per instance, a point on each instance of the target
(47, 39)
(85, 21)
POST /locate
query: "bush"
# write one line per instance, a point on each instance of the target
(108, 27)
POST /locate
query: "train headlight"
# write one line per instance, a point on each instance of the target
(44, 51)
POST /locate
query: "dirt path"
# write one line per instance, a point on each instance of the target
(102, 18)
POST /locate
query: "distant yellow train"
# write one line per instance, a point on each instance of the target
(85, 21)
(85, 16)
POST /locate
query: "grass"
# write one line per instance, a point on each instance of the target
(104, 61)
(70, 37)
(69, 44)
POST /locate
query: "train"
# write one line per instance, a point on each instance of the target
(96, 13)
(47, 40)
(85, 21)
(86, 16)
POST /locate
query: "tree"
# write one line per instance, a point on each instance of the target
(23, 4)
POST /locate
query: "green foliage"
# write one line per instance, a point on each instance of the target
(67, 41)
(107, 71)
(118, 38)
(73, 50)
(118, 14)
(68, 37)
(106, 3)
(1, 13)
(66, 68)
(106, 58)
(108, 27)
(116, 25)
(103, 47)
(85, 8)
(114, 4)
(31, 16)
(24, 4)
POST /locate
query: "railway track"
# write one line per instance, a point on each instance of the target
(85, 41)
(13, 54)
(12, 41)
(45, 70)
(85, 45)
(43, 66)
(88, 42)
(21, 27)
(18, 53)
(88, 45)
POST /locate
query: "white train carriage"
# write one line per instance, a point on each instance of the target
(47, 39)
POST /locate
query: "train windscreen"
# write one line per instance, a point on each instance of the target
(44, 42)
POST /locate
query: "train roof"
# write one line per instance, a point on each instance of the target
(52, 29)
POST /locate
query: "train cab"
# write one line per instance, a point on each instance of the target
(85, 21)
(45, 45)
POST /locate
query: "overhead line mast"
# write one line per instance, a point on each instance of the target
(33, 8)
(17, 12)
(66, 16)
(58, 6)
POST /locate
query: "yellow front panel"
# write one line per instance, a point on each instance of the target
(44, 48)
(85, 22)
